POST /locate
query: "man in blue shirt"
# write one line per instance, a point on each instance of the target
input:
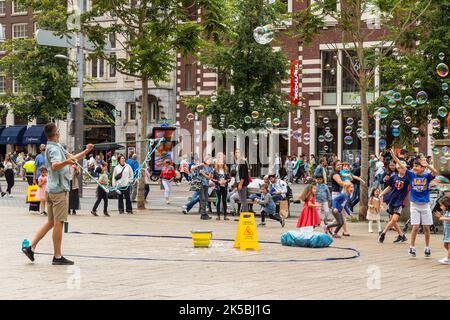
(397, 190)
(38, 163)
(57, 162)
(132, 162)
(419, 181)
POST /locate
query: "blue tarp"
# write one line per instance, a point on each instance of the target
(12, 135)
(34, 135)
(297, 238)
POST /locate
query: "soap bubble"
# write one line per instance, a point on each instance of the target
(252, 103)
(362, 135)
(397, 96)
(421, 97)
(413, 104)
(348, 140)
(443, 160)
(241, 104)
(390, 94)
(263, 34)
(214, 99)
(360, 123)
(325, 148)
(435, 123)
(382, 144)
(395, 123)
(327, 129)
(436, 150)
(442, 70)
(222, 117)
(255, 114)
(350, 157)
(408, 119)
(200, 108)
(359, 131)
(328, 137)
(408, 100)
(442, 111)
(383, 112)
(445, 86)
(321, 138)
(221, 124)
(248, 119)
(326, 120)
(417, 84)
(231, 127)
(392, 103)
(296, 135)
(190, 116)
(445, 98)
(441, 56)
(348, 129)
(415, 130)
(396, 132)
(308, 124)
(276, 122)
(350, 121)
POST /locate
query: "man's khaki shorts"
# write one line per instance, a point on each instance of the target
(57, 206)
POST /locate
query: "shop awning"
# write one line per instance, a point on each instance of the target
(34, 135)
(12, 135)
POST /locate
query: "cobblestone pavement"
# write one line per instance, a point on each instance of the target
(124, 267)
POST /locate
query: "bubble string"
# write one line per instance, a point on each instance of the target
(137, 175)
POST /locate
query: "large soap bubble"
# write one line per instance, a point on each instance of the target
(263, 34)
(421, 97)
(442, 112)
(442, 70)
(383, 112)
(396, 132)
(348, 140)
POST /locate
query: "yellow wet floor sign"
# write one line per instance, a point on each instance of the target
(246, 235)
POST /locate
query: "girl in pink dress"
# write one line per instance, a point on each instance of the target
(309, 215)
(40, 194)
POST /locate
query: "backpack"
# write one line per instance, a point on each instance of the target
(289, 193)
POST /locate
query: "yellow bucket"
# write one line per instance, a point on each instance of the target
(201, 238)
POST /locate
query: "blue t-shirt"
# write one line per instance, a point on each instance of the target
(38, 163)
(341, 203)
(133, 164)
(399, 190)
(420, 186)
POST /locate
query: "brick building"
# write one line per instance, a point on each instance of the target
(328, 90)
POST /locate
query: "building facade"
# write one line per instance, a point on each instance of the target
(329, 93)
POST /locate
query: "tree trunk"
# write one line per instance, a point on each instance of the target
(363, 205)
(143, 144)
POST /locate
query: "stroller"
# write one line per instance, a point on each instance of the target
(435, 195)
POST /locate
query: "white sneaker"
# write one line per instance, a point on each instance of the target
(444, 261)
(10, 195)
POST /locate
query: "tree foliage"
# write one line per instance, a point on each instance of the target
(254, 71)
(44, 81)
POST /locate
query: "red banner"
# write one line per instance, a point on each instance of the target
(295, 82)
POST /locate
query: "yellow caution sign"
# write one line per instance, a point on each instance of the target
(246, 236)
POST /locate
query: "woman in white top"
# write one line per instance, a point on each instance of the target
(123, 178)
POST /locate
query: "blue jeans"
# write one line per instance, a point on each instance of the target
(277, 197)
(194, 199)
(354, 199)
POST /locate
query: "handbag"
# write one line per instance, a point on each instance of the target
(119, 175)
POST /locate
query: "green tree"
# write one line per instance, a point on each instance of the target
(151, 32)
(416, 63)
(255, 71)
(395, 17)
(44, 81)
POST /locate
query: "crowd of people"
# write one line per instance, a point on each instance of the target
(330, 196)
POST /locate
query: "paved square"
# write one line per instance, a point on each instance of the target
(124, 267)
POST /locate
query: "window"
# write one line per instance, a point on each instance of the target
(188, 76)
(112, 39)
(112, 70)
(2, 7)
(97, 68)
(16, 87)
(350, 88)
(18, 8)
(2, 84)
(153, 108)
(131, 110)
(223, 81)
(325, 148)
(19, 30)
(329, 77)
(3, 32)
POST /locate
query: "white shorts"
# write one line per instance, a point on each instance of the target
(421, 214)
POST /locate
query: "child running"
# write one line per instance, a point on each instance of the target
(373, 213)
(268, 207)
(444, 203)
(323, 198)
(103, 179)
(309, 215)
(420, 200)
(40, 194)
(340, 203)
(397, 191)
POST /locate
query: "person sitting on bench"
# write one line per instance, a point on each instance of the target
(278, 188)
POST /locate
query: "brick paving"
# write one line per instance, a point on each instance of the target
(172, 269)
